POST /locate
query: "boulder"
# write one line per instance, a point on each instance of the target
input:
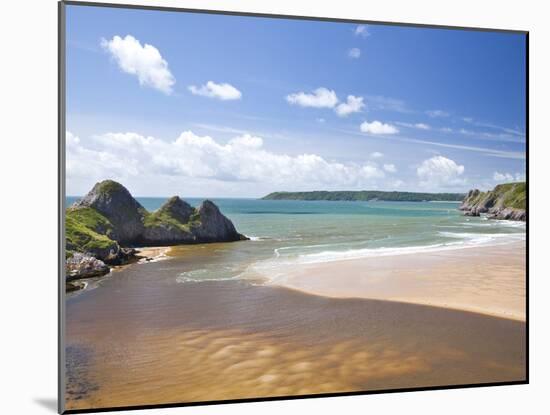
(81, 265)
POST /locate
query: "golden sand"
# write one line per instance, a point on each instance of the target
(489, 280)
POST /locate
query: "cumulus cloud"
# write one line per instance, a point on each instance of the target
(353, 104)
(362, 31)
(508, 177)
(390, 168)
(376, 155)
(241, 159)
(223, 91)
(320, 98)
(377, 127)
(354, 53)
(440, 171)
(437, 113)
(143, 61)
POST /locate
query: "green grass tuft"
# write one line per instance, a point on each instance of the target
(86, 229)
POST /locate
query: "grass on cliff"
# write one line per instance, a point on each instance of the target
(507, 195)
(109, 186)
(161, 217)
(86, 229)
(513, 195)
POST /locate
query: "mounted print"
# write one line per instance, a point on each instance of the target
(259, 207)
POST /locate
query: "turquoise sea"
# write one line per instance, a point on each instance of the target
(301, 232)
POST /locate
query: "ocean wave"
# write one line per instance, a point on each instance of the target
(200, 275)
(484, 238)
(459, 240)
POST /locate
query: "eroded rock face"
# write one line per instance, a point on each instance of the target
(505, 201)
(177, 209)
(116, 203)
(82, 265)
(214, 226)
(166, 234)
(508, 214)
(110, 222)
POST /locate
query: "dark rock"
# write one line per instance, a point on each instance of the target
(177, 209)
(214, 227)
(108, 221)
(81, 265)
(116, 203)
(166, 234)
(505, 201)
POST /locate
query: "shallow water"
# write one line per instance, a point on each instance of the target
(287, 232)
(198, 326)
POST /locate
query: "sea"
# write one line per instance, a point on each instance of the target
(284, 233)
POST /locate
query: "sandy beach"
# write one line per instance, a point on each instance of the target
(489, 280)
(143, 338)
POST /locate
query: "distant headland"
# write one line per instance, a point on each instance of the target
(366, 195)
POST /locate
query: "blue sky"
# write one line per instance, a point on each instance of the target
(209, 105)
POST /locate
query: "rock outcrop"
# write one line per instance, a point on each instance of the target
(115, 202)
(506, 201)
(108, 222)
(85, 266)
(213, 226)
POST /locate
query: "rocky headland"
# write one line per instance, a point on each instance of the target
(106, 226)
(506, 201)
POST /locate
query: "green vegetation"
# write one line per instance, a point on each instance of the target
(163, 218)
(508, 195)
(109, 186)
(365, 195)
(87, 230)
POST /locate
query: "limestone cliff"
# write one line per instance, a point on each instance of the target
(505, 201)
(108, 222)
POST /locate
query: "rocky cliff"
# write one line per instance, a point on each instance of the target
(505, 201)
(108, 222)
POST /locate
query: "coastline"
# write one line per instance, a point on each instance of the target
(489, 280)
(152, 253)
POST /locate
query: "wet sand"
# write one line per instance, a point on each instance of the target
(141, 338)
(489, 280)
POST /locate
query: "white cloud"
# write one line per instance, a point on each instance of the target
(440, 172)
(419, 125)
(125, 156)
(422, 126)
(376, 155)
(145, 62)
(377, 127)
(223, 91)
(387, 103)
(353, 104)
(390, 168)
(362, 31)
(320, 98)
(437, 113)
(354, 53)
(508, 177)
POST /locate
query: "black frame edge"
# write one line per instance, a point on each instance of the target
(61, 206)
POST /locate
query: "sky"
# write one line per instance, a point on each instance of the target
(205, 105)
